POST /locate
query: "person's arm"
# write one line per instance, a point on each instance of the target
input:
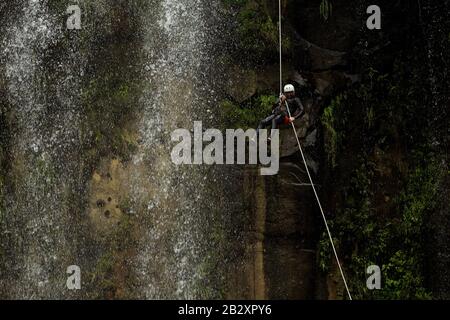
(277, 105)
(300, 110)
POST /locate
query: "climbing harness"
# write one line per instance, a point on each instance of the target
(303, 155)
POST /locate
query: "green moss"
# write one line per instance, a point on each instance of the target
(109, 111)
(211, 273)
(104, 276)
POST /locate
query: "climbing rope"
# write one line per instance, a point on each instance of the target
(303, 155)
(281, 45)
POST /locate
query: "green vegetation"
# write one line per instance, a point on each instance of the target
(383, 187)
(212, 284)
(108, 275)
(257, 30)
(248, 114)
(394, 242)
(110, 98)
(331, 136)
(326, 9)
(106, 115)
(382, 153)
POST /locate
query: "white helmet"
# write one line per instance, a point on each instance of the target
(289, 88)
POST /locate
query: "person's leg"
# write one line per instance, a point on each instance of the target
(265, 122)
(277, 121)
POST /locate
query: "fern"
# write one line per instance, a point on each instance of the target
(326, 9)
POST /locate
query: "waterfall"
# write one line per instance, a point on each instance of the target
(42, 92)
(53, 205)
(176, 250)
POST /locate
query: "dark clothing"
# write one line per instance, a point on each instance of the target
(280, 113)
(273, 119)
(295, 107)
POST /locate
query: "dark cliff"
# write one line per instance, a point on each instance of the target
(85, 170)
(378, 119)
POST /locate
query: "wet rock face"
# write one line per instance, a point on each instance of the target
(90, 182)
(86, 176)
(280, 232)
(290, 236)
(108, 190)
(291, 218)
(315, 57)
(336, 34)
(283, 227)
(41, 110)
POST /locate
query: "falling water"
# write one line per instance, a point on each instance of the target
(42, 93)
(176, 254)
(49, 223)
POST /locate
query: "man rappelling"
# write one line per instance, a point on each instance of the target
(286, 110)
